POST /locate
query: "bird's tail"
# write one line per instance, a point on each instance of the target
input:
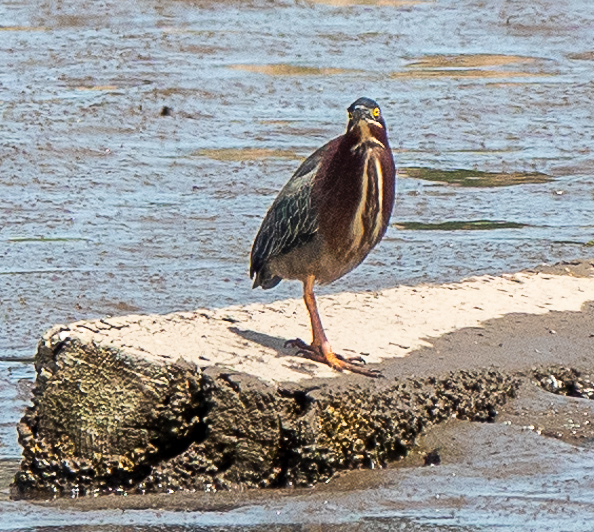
(265, 279)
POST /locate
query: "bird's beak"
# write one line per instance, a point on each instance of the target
(361, 113)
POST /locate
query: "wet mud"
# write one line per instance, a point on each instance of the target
(474, 178)
(532, 462)
(470, 225)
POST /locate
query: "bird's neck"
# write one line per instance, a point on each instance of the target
(366, 134)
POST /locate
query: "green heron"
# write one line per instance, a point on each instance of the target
(327, 218)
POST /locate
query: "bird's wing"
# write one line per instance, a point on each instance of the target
(292, 220)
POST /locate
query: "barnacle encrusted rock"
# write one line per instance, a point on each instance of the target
(100, 419)
(104, 421)
(564, 380)
(211, 400)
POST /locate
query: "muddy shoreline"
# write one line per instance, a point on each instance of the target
(532, 461)
(181, 427)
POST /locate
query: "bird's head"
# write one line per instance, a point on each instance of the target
(365, 113)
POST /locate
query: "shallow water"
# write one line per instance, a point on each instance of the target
(507, 479)
(110, 207)
(112, 204)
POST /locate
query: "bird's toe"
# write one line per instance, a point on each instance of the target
(299, 344)
(359, 369)
(352, 360)
(353, 364)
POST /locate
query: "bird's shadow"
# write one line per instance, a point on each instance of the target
(265, 340)
(307, 367)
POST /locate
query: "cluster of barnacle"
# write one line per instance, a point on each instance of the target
(565, 381)
(360, 430)
(475, 395)
(47, 470)
(236, 442)
(56, 466)
(357, 429)
(350, 429)
(176, 419)
(210, 436)
(190, 471)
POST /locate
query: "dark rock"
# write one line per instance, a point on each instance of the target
(105, 422)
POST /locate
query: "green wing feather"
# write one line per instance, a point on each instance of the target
(291, 221)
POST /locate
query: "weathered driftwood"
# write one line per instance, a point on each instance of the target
(187, 401)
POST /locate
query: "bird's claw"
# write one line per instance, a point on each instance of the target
(352, 364)
(357, 368)
(311, 354)
(352, 360)
(299, 344)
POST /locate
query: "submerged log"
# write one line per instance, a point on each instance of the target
(212, 400)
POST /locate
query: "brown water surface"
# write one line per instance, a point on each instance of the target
(142, 143)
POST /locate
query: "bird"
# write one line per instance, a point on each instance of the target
(327, 218)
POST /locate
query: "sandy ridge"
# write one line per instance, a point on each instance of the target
(380, 325)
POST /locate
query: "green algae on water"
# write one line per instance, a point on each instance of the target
(471, 225)
(245, 154)
(475, 178)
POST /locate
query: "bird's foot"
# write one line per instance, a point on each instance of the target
(299, 344)
(352, 364)
(307, 351)
(335, 361)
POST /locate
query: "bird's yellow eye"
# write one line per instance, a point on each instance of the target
(376, 112)
(350, 115)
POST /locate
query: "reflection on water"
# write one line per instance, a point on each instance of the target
(247, 154)
(463, 73)
(476, 66)
(290, 70)
(476, 178)
(379, 3)
(468, 61)
(582, 56)
(470, 225)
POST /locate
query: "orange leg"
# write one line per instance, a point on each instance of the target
(320, 349)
